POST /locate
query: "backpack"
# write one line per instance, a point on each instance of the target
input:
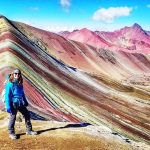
(2, 96)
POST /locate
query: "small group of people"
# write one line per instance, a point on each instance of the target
(15, 100)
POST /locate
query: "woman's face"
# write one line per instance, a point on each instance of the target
(16, 75)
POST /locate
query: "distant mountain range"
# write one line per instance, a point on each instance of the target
(101, 78)
(130, 39)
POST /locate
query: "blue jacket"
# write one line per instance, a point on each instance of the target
(14, 95)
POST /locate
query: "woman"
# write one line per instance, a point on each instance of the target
(15, 100)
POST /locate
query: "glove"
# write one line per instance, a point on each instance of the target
(8, 110)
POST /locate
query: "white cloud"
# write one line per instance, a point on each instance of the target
(110, 14)
(65, 3)
(148, 5)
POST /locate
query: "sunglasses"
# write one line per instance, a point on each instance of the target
(17, 73)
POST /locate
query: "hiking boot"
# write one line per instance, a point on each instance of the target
(13, 136)
(31, 133)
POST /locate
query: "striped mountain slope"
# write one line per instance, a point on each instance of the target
(66, 80)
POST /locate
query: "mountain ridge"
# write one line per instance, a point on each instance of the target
(65, 80)
(125, 39)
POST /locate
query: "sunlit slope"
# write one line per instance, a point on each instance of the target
(59, 91)
(115, 64)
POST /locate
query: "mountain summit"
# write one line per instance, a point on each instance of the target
(88, 37)
(135, 25)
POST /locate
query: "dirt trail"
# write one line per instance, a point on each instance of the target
(64, 136)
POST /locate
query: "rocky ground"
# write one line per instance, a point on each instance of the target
(64, 136)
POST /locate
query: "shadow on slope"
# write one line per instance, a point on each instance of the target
(76, 125)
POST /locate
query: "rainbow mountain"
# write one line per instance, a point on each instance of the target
(84, 76)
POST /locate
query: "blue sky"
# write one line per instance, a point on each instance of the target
(58, 15)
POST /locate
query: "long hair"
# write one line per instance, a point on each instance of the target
(20, 79)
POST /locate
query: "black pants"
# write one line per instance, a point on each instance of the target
(12, 119)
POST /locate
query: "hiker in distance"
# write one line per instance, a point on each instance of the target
(15, 101)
